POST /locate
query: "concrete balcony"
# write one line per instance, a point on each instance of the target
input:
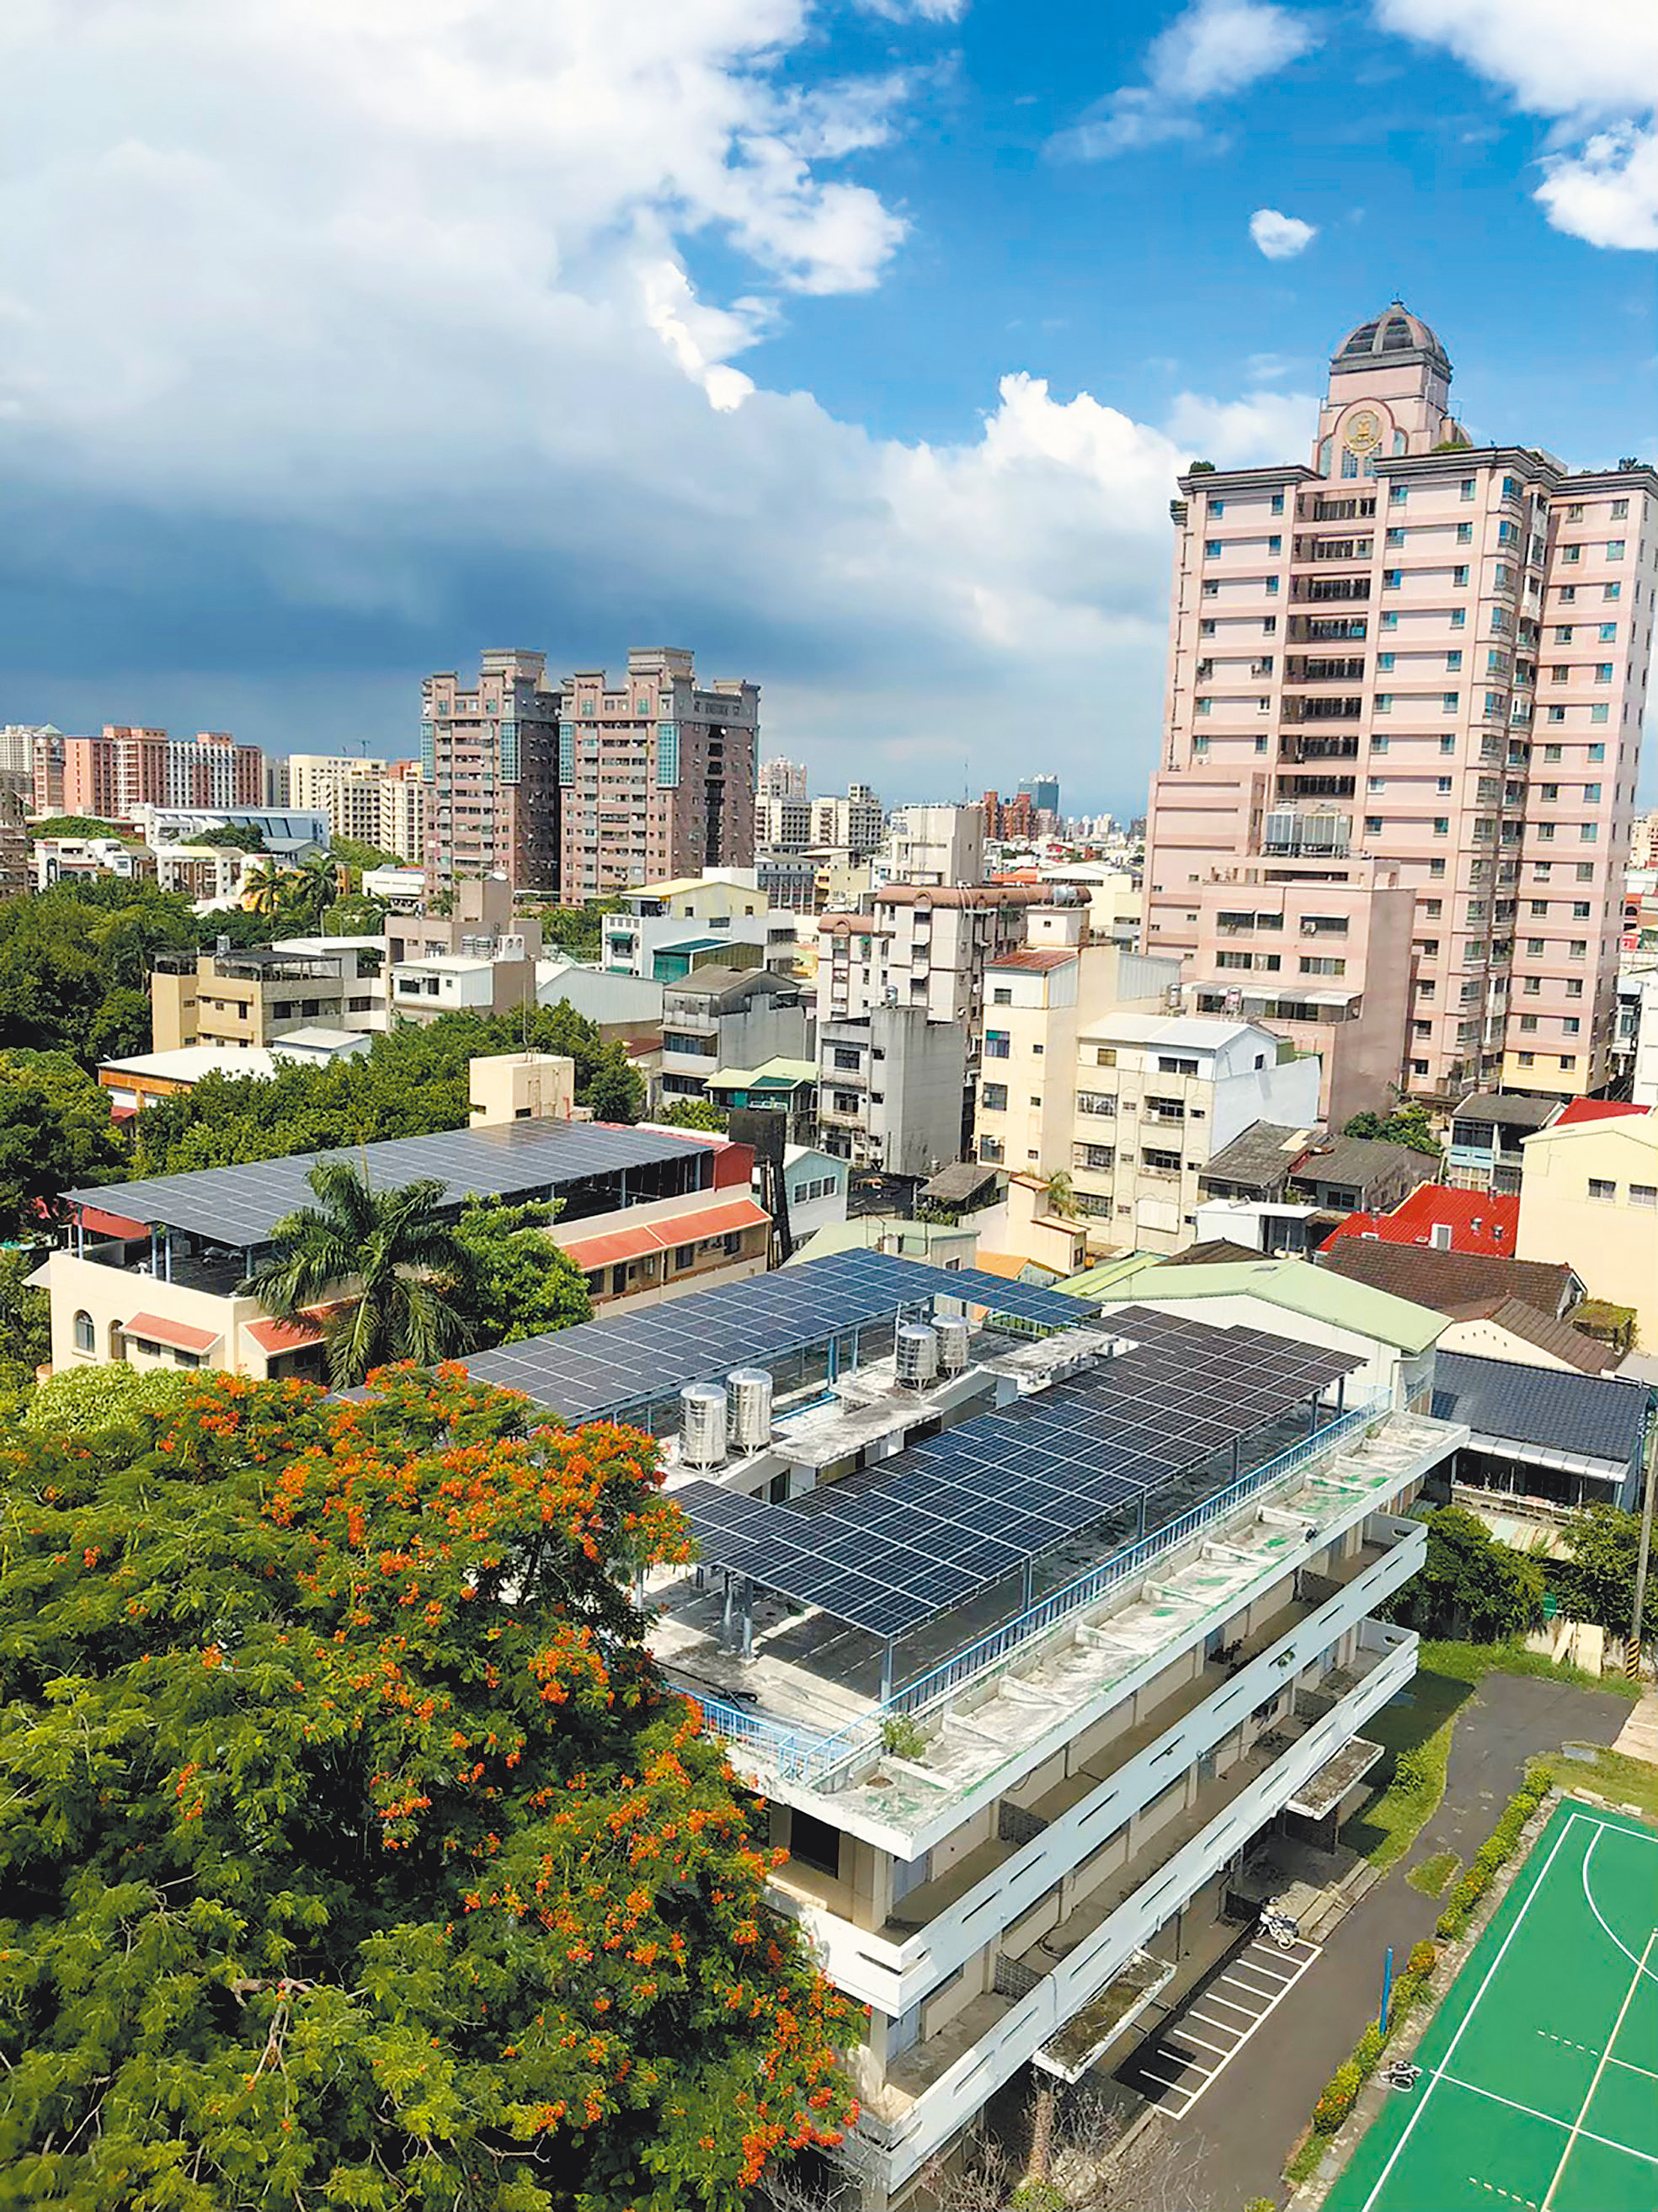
(936, 2086)
(942, 1924)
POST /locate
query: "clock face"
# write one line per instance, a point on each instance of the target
(1364, 432)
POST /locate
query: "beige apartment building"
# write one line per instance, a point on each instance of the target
(124, 767)
(1414, 651)
(380, 803)
(1326, 960)
(1127, 1098)
(244, 999)
(489, 757)
(1588, 1196)
(656, 774)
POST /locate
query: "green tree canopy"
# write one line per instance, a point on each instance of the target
(1471, 1588)
(616, 1092)
(523, 1283)
(397, 1279)
(25, 1327)
(244, 837)
(353, 1851)
(695, 1114)
(55, 1133)
(1407, 1125)
(1597, 1583)
(73, 825)
(65, 952)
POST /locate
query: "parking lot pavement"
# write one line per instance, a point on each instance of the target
(1173, 2069)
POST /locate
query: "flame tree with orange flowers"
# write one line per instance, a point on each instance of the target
(353, 1853)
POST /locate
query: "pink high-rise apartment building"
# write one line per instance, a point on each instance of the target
(657, 775)
(124, 768)
(1417, 662)
(489, 757)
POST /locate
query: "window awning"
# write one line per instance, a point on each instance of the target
(97, 1223)
(610, 1247)
(274, 1337)
(155, 1329)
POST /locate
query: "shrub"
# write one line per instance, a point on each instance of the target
(1303, 2164)
(904, 1737)
(1414, 1773)
(1367, 2051)
(1423, 1959)
(1037, 2197)
(1336, 2099)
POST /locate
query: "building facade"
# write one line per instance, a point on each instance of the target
(249, 998)
(1413, 650)
(1588, 1197)
(380, 803)
(110, 775)
(656, 774)
(937, 847)
(889, 1088)
(489, 757)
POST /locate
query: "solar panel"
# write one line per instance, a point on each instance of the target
(238, 1207)
(961, 1510)
(634, 1359)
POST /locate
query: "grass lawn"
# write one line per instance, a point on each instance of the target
(1421, 1719)
(1433, 1875)
(1611, 1775)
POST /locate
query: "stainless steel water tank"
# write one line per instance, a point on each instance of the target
(703, 1424)
(915, 1351)
(750, 1397)
(952, 1333)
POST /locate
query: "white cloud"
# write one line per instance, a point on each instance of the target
(1607, 193)
(1593, 65)
(1212, 49)
(1280, 237)
(341, 341)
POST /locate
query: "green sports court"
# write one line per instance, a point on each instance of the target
(1539, 2081)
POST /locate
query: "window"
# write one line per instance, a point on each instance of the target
(1597, 752)
(1278, 502)
(1527, 1023)
(1392, 579)
(1443, 784)
(1603, 672)
(1448, 699)
(1459, 617)
(1395, 537)
(1001, 996)
(1557, 714)
(1553, 753)
(1465, 533)
(1275, 545)
(1460, 576)
(1453, 661)
(1572, 554)
(1572, 1025)
(1211, 547)
(1467, 488)
(1206, 626)
(1442, 825)
(1602, 1191)
(1373, 824)
(1390, 622)
(86, 1336)
(1611, 592)
(1614, 549)
(1591, 795)
(997, 1046)
(1620, 510)
(1609, 633)
(1528, 1060)
(1643, 1194)
(1568, 595)
(992, 1096)
(1218, 508)
(1601, 713)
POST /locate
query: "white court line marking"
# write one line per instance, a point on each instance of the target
(1588, 2097)
(1588, 2049)
(1161, 2083)
(1225, 2027)
(1491, 2188)
(1587, 2135)
(1210, 1997)
(1600, 1827)
(1249, 1989)
(1433, 2083)
(1268, 1968)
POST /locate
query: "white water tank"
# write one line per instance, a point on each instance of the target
(952, 1333)
(703, 1424)
(916, 1353)
(749, 1389)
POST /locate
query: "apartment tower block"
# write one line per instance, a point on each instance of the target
(124, 767)
(489, 761)
(1419, 652)
(657, 775)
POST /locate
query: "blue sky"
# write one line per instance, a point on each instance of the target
(856, 346)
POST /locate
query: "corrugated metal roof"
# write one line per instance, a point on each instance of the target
(1539, 1407)
(1477, 1221)
(1294, 1285)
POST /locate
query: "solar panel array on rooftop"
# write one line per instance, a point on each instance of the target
(238, 1207)
(633, 1359)
(951, 1516)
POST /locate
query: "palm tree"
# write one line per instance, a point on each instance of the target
(265, 887)
(314, 886)
(1060, 1195)
(400, 1280)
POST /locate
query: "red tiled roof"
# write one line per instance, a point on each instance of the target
(609, 1246)
(1596, 1109)
(177, 1334)
(273, 1337)
(1477, 1221)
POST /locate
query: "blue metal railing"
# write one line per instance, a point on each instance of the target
(819, 1759)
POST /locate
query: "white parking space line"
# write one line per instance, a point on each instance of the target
(1263, 1997)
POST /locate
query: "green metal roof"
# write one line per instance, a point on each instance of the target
(1294, 1285)
(770, 1075)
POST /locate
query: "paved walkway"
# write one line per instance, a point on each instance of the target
(1252, 2112)
(1639, 1738)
